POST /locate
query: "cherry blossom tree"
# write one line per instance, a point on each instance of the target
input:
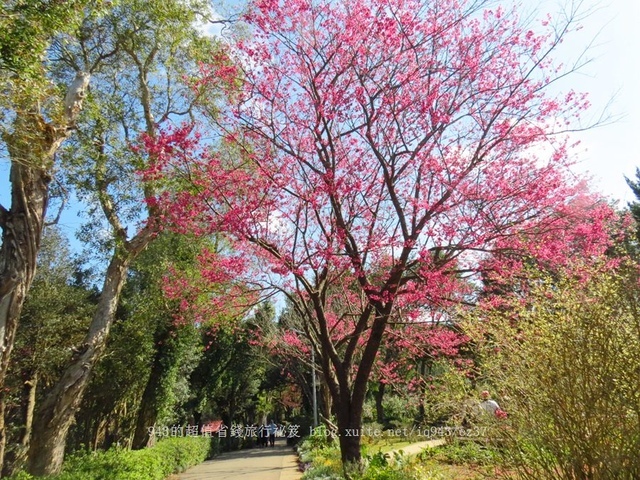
(407, 357)
(377, 152)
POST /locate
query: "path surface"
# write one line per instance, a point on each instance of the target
(277, 463)
(415, 448)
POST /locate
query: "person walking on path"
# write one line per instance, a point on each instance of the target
(263, 435)
(272, 428)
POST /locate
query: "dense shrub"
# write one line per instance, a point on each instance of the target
(399, 411)
(172, 455)
(564, 358)
(462, 452)
(446, 401)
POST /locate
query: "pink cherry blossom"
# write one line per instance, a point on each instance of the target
(375, 158)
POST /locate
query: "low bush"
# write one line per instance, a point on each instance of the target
(172, 455)
(466, 452)
(323, 463)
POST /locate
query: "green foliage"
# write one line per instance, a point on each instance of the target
(28, 96)
(447, 395)
(56, 312)
(52, 324)
(321, 438)
(230, 372)
(172, 455)
(26, 26)
(322, 461)
(396, 471)
(144, 340)
(399, 411)
(22, 475)
(634, 207)
(141, 55)
(462, 452)
(565, 360)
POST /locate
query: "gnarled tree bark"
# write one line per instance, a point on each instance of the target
(57, 412)
(31, 146)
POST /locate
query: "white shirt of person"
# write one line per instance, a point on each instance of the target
(490, 406)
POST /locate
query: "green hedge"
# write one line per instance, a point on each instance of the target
(172, 455)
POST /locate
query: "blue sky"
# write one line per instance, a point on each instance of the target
(612, 77)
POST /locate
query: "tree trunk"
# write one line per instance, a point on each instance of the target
(147, 416)
(21, 235)
(15, 460)
(30, 388)
(57, 411)
(349, 397)
(197, 420)
(3, 430)
(31, 146)
(379, 396)
(349, 427)
(148, 411)
(326, 405)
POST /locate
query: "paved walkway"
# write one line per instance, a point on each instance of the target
(415, 448)
(277, 463)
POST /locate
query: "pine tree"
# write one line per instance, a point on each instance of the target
(634, 207)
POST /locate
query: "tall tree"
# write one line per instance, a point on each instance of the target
(177, 342)
(389, 145)
(36, 117)
(139, 85)
(147, 351)
(634, 207)
(53, 320)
